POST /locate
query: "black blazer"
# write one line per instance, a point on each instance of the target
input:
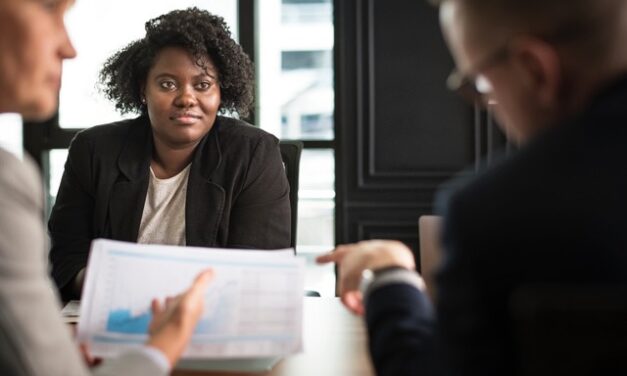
(553, 213)
(237, 192)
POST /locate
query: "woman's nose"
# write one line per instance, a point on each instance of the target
(185, 98)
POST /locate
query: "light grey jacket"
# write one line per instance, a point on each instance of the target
(33, 338)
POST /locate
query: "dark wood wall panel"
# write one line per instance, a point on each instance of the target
(400, 223)
(400, 133)
(409, 64)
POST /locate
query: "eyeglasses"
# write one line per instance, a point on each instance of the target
(475, 87)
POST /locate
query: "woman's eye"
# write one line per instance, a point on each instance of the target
(203, 85)
(167, 85)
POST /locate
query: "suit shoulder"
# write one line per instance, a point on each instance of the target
(234, 130)
(519, 184)
(19, 179)
(533, 167)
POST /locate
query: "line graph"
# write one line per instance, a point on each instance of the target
(123, 321)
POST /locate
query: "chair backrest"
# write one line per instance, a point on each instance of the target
(574, 330)
(290, 152)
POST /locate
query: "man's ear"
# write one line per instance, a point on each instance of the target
(539, 64)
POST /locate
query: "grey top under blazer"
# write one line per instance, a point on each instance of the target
(33, 338)
(237, 192)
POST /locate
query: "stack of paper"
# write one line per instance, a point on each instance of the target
(253, 306)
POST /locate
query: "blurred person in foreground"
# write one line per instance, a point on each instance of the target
(551, 213)
(34, 340)
(179, 173)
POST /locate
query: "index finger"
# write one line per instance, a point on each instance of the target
(202, 280)
(327, 257)
(335, 255)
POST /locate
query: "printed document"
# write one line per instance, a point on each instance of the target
(253, 306)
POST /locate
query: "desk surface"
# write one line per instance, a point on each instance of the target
(334, 344)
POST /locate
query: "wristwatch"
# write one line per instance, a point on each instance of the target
(368, 275)
(372, 279)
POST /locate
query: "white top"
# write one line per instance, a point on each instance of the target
(163, 218)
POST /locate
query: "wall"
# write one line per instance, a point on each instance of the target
(400, 133)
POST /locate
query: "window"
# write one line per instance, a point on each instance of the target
(294, 58)
(310, 60)
(11, 133)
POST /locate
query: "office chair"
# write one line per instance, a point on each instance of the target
(290, 153)
(573, 330)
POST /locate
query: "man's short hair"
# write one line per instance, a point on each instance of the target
(583, 26)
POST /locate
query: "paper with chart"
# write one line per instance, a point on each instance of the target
(253, 306)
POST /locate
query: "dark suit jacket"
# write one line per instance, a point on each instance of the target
(553, 213)
(237, 193)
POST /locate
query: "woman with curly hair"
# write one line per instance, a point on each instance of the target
(179, 173)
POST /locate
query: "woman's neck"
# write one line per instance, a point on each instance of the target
(168, 161)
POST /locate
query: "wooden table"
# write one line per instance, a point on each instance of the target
(335, 343)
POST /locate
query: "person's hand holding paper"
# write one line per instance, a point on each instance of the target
(251, 309)
(173, 322)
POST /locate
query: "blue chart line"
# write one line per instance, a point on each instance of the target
(218, 309)
(122, 321)
(215, 323)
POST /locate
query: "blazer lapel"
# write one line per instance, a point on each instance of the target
(126, 202)
(205, 198)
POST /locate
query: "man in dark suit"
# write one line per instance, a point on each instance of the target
(551, 213)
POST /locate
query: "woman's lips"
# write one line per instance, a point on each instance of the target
(185, 118)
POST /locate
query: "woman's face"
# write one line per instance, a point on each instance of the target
(182, 98)
(33, 44)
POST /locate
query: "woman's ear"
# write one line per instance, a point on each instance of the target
(539, 64)
(142, 94)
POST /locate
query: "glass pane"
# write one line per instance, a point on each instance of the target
(316, 198)
(56, 164)
(90, 27)
(316, 209)
(295, 68)
(11, 133)
(295, 100)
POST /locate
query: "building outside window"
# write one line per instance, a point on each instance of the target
(294, 60)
